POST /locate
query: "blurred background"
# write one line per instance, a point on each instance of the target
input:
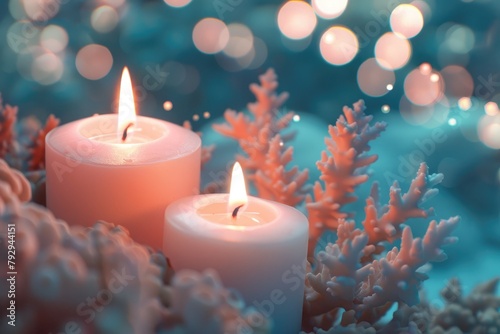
(429, 69)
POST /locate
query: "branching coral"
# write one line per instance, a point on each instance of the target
(7, 129)
(37, 150)
(342, 170)
(262, 139)
(351, 275)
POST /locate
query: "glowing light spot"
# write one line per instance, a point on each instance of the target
(47, 69)
(452, 122)
(240, 41)
(373, 79)
(389, 87)
(407, 20)
(104, 19)
(460, 38)
(458, 81)
(41, 10)
(425, 68)
(386, 109)
(22, 36)
(491, 108)
(489, 131)
(281, 143)
(94, 61)
(392, 51)
(206, 115)
(210, 35)
(168, 105)
(296, 19)
(338, 45)
(177, 3)
(296, 118)
(423, 89)
(54, 38)
(196, 117)
(464, 103)
(329, 9)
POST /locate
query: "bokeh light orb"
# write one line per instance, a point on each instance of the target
(338, 45)
(464, 103)
(177, 3)
(392, 51)
(458, 81)
(489, 131)
(296, 19)
(491, 108)
(47, 69)
(104, 19)
(329, 9)
(94, 61)
(460, 38)
(54, 38)
(168, 105)
(423, 88)
(406, 20)
(374, 79)
(41, 10)
(240, 41)
(210, 35)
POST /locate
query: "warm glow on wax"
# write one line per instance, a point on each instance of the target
(237, 192)
(126, 107)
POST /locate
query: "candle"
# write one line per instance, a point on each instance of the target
(121, 168)
(258, 247)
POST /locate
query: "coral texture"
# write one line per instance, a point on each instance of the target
(100, 281)
(351, 275)
(343, 168)
(264, 143)
(37, 157)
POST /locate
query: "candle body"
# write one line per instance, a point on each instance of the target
(265, 261)
(127, 184)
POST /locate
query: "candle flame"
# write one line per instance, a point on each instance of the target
(237, 191)
(126, 106)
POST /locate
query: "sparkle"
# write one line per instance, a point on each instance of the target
(386, 109)
(389, 87)
(296, 118)
(434, 77)
(206, 115)
(196, 117)
(464, 103)
(452, 122)
(491, 108)
(168, 105)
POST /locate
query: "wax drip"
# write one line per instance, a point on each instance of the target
(124, 136)
(235, 211)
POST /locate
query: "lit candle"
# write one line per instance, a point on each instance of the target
(121, 168)
(258, 247)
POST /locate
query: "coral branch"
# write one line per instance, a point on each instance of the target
(342, 170)
(37, 158)
(262, 140)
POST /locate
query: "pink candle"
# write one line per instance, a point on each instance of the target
(258, 247)
(122, 168)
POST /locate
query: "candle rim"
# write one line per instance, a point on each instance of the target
(290, 227)
(186, 139)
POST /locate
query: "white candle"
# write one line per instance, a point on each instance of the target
(259, 249)
(124, 169)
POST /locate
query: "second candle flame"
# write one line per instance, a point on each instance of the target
(237, 191)
(126, 106)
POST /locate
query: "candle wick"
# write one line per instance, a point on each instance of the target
(235, 211)
(124, 136)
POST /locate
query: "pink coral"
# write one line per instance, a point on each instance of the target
(37, 150)
(262, 139)
(341, 171)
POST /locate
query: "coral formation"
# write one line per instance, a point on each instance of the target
(264, 143)
(37, 157)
